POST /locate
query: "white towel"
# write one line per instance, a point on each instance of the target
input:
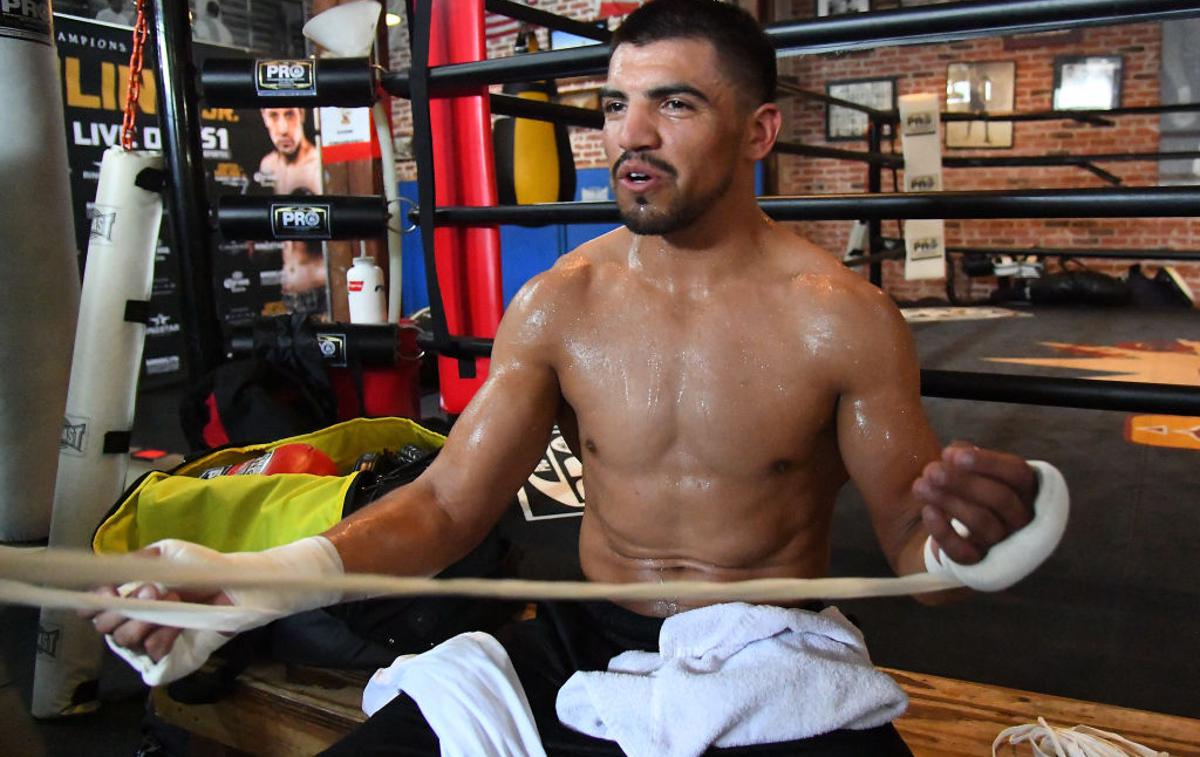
(469, 694)
(733, 675)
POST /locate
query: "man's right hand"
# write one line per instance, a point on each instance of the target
(140, 636)
(149, 647)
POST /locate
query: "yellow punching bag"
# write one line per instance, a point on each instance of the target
(533, 158)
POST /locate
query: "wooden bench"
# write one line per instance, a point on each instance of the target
(269, 714)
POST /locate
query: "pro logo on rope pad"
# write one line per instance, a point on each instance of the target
(25, 19)
(300, 221)
(285, 77)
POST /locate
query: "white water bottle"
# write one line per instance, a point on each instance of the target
(364, 287)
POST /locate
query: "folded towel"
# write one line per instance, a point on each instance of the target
(469, 694)
(733, 675)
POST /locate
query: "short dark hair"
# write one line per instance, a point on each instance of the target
(745, 50)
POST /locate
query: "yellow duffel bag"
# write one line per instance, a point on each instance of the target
(235, 513)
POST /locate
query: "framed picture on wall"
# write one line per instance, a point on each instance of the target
(842, 123)
(841, 7)
(1087, 82)
(986, 87)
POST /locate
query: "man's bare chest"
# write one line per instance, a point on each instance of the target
(702, 390)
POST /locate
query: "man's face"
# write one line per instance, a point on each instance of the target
(116, 5)
(673, 126)
(286, 127)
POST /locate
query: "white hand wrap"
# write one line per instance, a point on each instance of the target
(1023, 551)
(314, 556)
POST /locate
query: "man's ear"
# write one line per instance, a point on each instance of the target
(765, 123)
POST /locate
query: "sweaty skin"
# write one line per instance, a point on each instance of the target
(719, 376)
(713, 451)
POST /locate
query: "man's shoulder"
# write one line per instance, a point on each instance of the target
(549, 301)
(808, 264)
(575, 272)
(565, 281)
(821, 280)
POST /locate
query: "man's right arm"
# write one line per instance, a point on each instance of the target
(424, 527)
(421, 528)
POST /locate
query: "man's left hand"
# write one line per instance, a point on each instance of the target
(990, 493)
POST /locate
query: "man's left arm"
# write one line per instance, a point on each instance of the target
(912, 487)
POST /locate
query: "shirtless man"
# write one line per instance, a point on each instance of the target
(293, 164)
(720, 377)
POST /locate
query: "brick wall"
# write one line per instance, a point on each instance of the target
(923, 69)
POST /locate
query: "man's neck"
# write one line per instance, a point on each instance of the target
(717, 247)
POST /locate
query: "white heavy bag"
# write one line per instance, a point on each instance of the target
(94, 455)
(39, 275)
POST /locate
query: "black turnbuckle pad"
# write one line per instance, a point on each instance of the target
(292, 217)
(286, 83)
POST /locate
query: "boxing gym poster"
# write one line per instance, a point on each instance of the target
(245, 152)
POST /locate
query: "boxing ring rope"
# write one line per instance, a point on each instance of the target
(568, 115)
(1089, 116)
(1125, 396)
(1149, 202)
(895, 160)
(538, 17)
(894, 251)
(1113, 253)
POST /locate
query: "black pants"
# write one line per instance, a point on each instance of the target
(545, 652)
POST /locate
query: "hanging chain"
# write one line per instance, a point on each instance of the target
(141, 30)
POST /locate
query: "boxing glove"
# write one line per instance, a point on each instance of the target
(286, 458)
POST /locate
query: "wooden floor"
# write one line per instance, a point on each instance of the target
(267, 714)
